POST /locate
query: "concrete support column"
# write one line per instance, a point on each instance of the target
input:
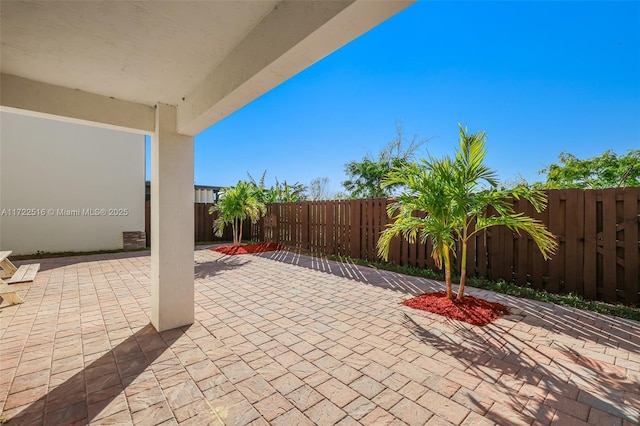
(172, 281)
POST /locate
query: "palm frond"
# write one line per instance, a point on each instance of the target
(518, 223)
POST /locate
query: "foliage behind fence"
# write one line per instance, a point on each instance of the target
(203, 225)
(598, 232)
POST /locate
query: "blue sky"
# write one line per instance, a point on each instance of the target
(538, 77)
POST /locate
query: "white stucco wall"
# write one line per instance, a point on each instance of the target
(79, 179)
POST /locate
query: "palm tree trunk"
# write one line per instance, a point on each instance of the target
(234, 232)
(463, 270)
(447, 271)
(240, 233)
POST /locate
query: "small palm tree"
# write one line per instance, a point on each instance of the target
(456, 206)
(474, 206)
(234, 206)
(427, 193)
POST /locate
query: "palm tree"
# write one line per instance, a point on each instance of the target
(456, 206)
(473, 204)
(234, 206)
(427, 193)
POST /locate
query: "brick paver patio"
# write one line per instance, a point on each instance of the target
(286, 339)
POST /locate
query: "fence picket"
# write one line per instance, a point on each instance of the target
(572, 263)
(481, 253)
(555, 226)
(521, 246)
(580, 241)
(590, 245)
(609, 255)
(631, 247)
(354, 228)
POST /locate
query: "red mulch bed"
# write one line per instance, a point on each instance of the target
(247, 248)
(469, 309)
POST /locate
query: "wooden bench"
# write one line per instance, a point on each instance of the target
(8, 293)
(13, 275)
(24, 274)
(7, 268)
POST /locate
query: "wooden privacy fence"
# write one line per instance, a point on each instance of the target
(203, 225)
(598, 231)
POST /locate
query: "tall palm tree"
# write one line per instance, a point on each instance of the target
(236, 204)
(458, 198)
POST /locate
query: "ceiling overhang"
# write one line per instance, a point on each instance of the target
(110, 63)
